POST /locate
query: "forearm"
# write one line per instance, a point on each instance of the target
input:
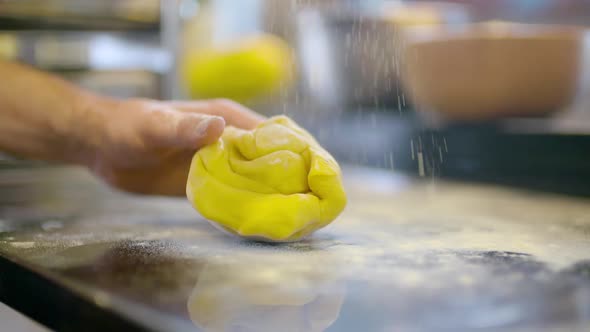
(38, 112)
(138, 145)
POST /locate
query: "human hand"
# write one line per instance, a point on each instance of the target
(146, 146)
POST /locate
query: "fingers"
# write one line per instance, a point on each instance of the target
(170, 128)
(234, 114)
(167, 178)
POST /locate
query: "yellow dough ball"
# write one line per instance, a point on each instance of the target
(274, 183)
(244, 71)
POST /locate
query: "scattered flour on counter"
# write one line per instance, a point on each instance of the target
(23, 245)
(52, 225)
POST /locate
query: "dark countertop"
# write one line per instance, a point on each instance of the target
(405, 255)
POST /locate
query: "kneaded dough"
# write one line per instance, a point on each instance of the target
(274, 183)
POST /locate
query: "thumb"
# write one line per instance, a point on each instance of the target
(182, 130)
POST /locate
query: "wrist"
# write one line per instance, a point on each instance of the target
(82, 132)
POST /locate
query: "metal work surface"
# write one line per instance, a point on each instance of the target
(405, 255)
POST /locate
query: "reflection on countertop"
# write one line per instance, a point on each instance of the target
(238, 295)
(405, 255)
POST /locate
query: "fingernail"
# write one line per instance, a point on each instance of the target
(204, 125)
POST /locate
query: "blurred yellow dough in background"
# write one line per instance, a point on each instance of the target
(249, 69)
(274, 183)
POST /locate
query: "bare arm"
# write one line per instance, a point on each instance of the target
(138, 145)
(36, 111)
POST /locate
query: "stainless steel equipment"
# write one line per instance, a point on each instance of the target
(121, 48)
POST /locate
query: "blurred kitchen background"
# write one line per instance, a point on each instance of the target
(483, 90)
(479, 90)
